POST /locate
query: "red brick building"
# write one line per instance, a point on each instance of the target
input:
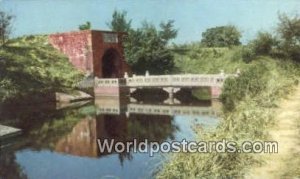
(91, 51)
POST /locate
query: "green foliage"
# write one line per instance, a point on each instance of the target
(119, 22)
(248, 54)
(263, 44)
(287, 46)
(146, 49)
(5, 27)
(202, 93)
(29, 64)
(167, 31)
(289, 32)
(249, 83)
(265, 76)
(86, 26)
(197, 59)
(248, 101)
(221, 36)
(253, 95)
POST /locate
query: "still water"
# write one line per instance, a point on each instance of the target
(60, 140)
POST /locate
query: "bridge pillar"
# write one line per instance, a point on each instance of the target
(132, 100)
(131, 90)
(171, 91)
(108, 91)
(215, 91)
(172, 101)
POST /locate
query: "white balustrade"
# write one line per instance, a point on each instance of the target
(114, 82)
(185, 80)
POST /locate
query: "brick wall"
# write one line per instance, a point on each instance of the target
(85, 50)
(77, 46)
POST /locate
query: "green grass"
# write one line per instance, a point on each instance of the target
(31, 65)
(249, 103)
(208, 60)
(195, 59)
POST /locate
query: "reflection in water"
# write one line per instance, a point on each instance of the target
(73, 131)
(9, 168)
(81, 141)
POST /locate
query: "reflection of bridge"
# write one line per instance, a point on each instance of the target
(118, 106)
(169, 83)
(122, 120)
(168, 110)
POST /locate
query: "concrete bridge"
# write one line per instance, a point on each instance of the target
(169, 83)
(100, 54)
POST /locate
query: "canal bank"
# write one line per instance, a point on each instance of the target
(30, 66)
(250, 102)
(285, 163)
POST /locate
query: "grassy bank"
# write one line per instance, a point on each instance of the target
(196, 59)
(285, 163)
(30, 65)
(249, 103)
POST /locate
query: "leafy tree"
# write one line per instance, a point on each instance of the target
(119, 22)
(146, 48)
(167, 31)
(85, 26)
(5, 27)
(221, 36)
(263, 44)
(289, 32)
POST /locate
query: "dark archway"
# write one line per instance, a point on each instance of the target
(111, 64)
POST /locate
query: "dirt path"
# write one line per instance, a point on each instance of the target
(285, 164)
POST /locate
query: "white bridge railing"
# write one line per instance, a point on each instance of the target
(175, 80)
(184, 80)
(110, 82)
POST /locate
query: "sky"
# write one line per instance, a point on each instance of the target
(192, 17)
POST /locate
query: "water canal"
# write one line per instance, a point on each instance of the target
(60, 140)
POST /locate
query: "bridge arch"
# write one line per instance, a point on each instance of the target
(111, 63)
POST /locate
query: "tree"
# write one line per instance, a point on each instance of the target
(5, 27)
(263, 44)
(167, 30)
(221, 36)
(119, 22)
(146, 48)
(289, 33)
(85, 26)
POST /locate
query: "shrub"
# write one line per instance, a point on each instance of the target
(221, 36)
(247, 54)
(289, 32)
(263, 44)
(250, 83)
(85, 26)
